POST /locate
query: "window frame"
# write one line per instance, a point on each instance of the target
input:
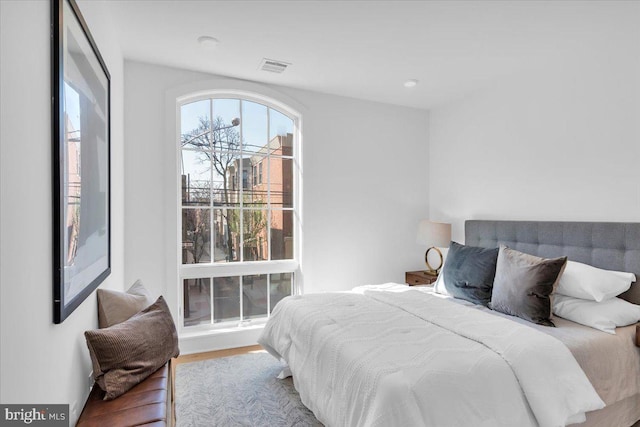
(240, 268)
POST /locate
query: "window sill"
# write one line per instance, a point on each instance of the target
(201, 332)
(204, 340)
(194, 271)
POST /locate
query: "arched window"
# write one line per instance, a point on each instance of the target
(239, 222)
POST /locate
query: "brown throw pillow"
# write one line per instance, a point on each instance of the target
(524, 283)
(125, 354)
(115, 307)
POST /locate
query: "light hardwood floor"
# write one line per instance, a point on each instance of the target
(197, 357)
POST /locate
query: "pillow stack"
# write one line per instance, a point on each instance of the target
(588, 295)
(534, 288)
(135, 339)
(503, 279)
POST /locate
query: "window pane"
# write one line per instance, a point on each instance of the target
(281, 234)
(254, 296)
(226, 226)
(194, 116)
(227, 173)
(255, 235)
(197, 301)
(281, 182)
(196, 125)
(226, 299)
(196, 236)
(226, 191)
(196, 176)
(281, 145)
(280, 133)
(226, 131)
(280, 287)
(224, 111)
(255, 194)
(254, 127)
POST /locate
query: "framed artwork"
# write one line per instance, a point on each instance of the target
(81, 161)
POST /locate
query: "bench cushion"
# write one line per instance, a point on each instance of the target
(146, 404)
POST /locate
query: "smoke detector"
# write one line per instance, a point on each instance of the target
(273, 66)
(411, 83)
(208, 42)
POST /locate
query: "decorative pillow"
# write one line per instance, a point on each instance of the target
(115, 307)
(524, 283)
(591, 283)
(605, 316)
(468, 272)
(125, 354)
(438, 286)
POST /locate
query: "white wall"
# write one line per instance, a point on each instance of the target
(43, 363)
(561, 142)
(364, 173)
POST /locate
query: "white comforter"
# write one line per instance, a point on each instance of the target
(385, 358)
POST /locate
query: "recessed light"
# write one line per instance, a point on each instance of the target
(208, 41)
(411, 83)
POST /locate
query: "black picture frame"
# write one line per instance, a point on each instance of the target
(81, 145)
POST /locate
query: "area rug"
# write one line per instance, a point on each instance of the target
(238, 391)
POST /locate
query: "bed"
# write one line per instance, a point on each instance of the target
(390, 355)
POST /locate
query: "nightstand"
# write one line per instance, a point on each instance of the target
(416, 278)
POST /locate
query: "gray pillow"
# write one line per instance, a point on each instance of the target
(524, 284)
(469, 271)
(125, 354)
(115, 307)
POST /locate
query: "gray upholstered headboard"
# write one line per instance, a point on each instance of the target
(607, 245)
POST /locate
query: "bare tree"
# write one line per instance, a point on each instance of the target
(218, 144)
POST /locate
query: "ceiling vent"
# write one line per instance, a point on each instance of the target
(273, 65)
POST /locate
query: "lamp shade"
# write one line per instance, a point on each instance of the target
(436, 234)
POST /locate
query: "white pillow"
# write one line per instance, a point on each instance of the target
(439, 287)
(584, 281)
(605, 315)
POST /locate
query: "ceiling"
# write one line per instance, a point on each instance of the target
(367, 49)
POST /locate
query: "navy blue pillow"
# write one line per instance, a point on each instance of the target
(469, 271)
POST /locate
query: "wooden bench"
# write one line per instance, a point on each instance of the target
(146, 404)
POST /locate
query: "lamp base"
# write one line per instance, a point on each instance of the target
(430, 270)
